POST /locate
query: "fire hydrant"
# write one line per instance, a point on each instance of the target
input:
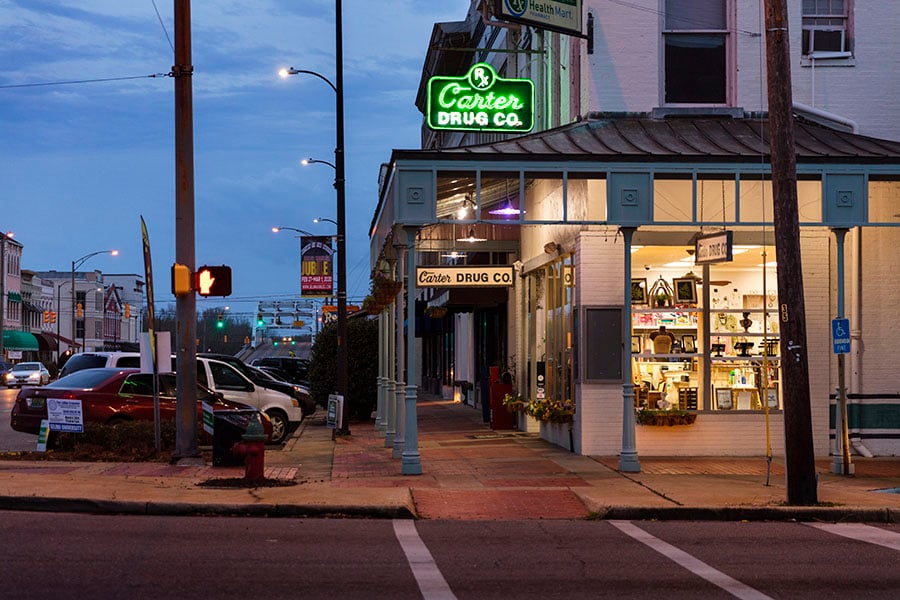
(253, 449)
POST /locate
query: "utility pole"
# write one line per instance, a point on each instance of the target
(798, 442)
(342, 354)
(186, 449)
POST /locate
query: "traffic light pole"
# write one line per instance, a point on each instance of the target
(186, 449)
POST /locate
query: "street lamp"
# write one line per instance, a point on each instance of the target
(300, 231)
(323, 219)
(75, 265)
(339, 183)
(313, 161)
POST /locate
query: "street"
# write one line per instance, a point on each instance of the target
(12, 441)
(77, 556)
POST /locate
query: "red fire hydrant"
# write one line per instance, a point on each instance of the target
(253, 449)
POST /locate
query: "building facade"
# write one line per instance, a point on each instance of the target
(650, 134)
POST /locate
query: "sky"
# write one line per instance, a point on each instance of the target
(81, 163)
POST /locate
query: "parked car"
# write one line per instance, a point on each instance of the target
(94, 360)
(27, 373)
(300, 392)
(110, 396)
(4, 369)
(282, 408)
(297, 369)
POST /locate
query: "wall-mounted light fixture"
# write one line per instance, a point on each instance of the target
(551, 248)
(464, 207)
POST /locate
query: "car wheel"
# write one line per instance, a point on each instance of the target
(279, 425)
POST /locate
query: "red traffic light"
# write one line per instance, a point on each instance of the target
(213, 281)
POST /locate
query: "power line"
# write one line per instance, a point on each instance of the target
(163, 25)
(72, 82)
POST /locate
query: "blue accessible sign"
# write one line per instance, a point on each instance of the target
(840, 335)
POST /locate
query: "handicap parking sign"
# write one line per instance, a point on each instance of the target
(840, 335)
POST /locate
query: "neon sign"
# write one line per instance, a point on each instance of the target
(480, 101)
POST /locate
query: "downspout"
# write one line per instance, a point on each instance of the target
(824, 114)
(857, 346)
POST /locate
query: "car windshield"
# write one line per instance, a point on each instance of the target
(84, 379)
(27, 367)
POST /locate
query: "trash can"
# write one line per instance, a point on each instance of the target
(228, 427)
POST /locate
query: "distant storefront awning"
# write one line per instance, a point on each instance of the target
(19, 340)
(46, 341)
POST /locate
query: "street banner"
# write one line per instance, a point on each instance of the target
(316, 270)
(151, 330)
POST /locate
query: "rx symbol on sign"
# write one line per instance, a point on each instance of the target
(481, 78)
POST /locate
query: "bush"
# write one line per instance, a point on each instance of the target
(128, 441)
(362, 358)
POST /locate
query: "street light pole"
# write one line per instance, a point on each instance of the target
(75, 265)
(3, 237)
(339, 186)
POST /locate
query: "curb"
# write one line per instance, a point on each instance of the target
(749, 513)
(185, 509)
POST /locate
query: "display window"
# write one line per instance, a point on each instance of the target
(705, 337)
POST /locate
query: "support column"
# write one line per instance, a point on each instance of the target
(411, 463)
(390, 374)
(397, 390)
(382, 375)
(841, 459)
(628, 457)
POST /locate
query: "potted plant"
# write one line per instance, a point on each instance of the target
(646, 416)
(514, 403)
(662, 299)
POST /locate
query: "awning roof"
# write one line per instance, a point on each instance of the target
(47, 341)
(19, 340)
(616, 137)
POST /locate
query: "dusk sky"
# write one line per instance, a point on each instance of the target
(82, 162)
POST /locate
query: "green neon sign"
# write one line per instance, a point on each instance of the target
(480, 101)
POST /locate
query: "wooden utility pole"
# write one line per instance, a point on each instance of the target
(798, 442)
(186, 449)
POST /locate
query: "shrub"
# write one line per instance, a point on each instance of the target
(362, 358)
(130, 440)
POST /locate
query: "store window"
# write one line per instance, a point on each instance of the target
(826, 28)
(696, 51)
(705, 338)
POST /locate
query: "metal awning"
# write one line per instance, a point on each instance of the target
(19, 340)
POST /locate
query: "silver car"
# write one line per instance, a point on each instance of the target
(27, 373)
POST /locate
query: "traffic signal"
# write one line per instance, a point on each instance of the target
(220, 322)
(213, 281)
(259, 320)
(46, 316)
(79, 310)
(127, 311)
(53, 316)
(181, 280)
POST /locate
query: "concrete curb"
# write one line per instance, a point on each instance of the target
(118, 507)
(830, 514)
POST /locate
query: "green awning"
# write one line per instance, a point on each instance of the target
(19, 340)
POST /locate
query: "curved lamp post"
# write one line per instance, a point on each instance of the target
(323, 220)
(339, 183)
(75, 265)
(300, 231)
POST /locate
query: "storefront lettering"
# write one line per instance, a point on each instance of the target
(501, 276)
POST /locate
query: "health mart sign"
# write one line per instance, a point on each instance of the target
(480, 101)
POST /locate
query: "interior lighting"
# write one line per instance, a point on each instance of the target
(471, 238)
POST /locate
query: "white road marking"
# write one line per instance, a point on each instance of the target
(694, 565)
(431, 583)
(862, 533)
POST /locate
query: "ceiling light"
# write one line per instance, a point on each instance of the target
(471, 237)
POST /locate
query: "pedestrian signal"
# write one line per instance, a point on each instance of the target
(213, 281)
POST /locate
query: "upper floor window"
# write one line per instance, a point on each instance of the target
(826, 28)
(696, 41)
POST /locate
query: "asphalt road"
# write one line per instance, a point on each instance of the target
(82, 556)
(12, 441)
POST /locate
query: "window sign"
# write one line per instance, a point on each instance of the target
(480, 101)
(713, 248)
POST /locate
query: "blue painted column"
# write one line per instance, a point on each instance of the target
(397, 343)
(411, 462)
(382, 374)
(628, 457)
(388, 317)
(841, 463)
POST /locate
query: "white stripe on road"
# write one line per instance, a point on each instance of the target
(862, 533)
(694, 565)
(431, 583)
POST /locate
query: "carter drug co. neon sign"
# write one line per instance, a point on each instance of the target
(480, 101)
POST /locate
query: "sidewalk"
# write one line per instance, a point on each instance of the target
(469, 472)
